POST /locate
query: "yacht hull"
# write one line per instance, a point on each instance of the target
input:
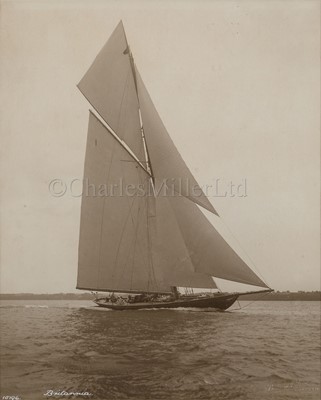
(220, 303)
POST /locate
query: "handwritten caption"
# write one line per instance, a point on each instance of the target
(53, 393)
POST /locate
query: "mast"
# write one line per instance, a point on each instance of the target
(148, 162)
(175, 292)
(133, 70)
(147, 156)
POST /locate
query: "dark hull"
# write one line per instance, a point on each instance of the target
(220, 303)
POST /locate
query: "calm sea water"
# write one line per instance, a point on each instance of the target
(268, 350)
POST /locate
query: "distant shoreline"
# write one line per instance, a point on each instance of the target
(274, 296)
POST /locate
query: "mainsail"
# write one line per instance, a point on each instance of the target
(114, 250)
(133, 237)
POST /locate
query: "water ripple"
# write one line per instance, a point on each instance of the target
(270, 350)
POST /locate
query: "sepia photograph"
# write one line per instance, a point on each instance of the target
(160, 200)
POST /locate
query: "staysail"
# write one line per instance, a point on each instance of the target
(110, 87)
(170, 252)
(209, 252)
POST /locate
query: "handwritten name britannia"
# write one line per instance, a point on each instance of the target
(52, 393)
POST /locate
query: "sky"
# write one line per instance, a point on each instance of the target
(237, 85)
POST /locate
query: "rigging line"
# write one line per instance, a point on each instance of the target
(129, 216)
(130, 253)
(132, 64)
(103, 213)
(143, 181)
(152, 280)
(125, 223)
(245, 252)
(239, 304)
(122, 99)
(251, 302)
(150, 169)
(139, 180)
(150, 258)
(143, 251)
(122, 234)
(150, 249)
(135, 242)
(139, 247)
(123, 267)
(136, 227)
(147, 156)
